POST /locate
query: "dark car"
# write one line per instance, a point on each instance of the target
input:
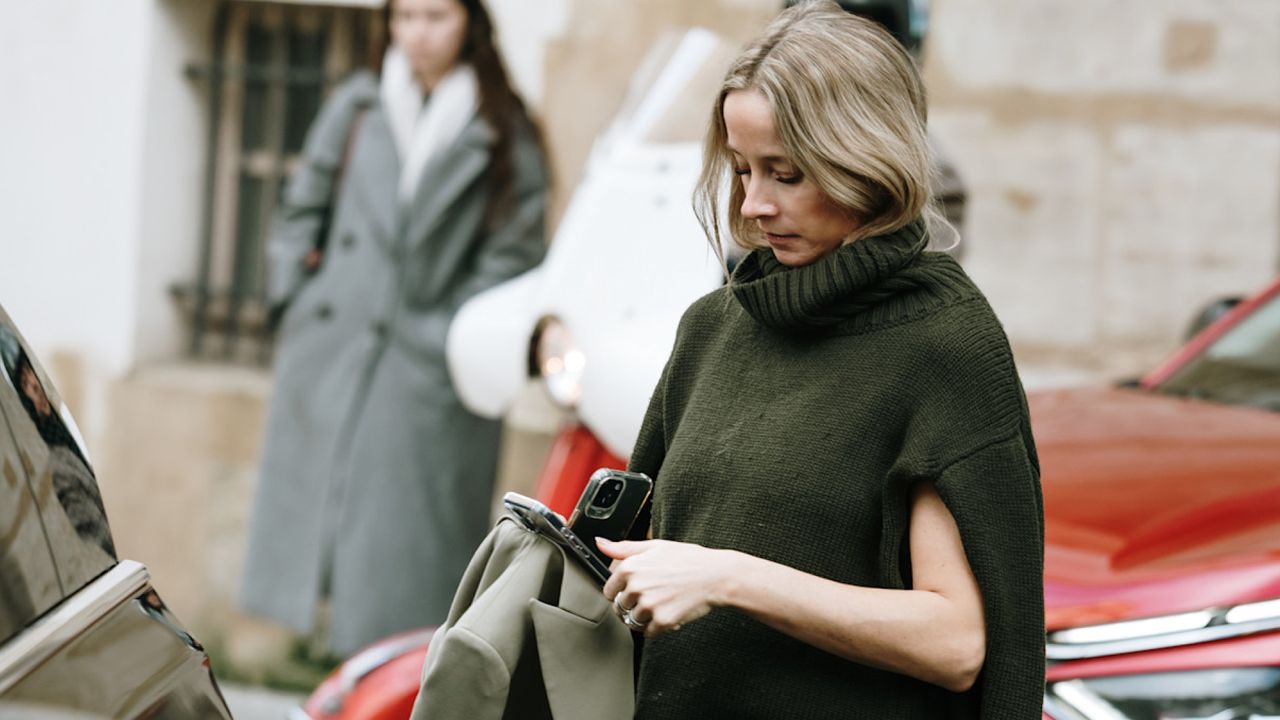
(82, 633)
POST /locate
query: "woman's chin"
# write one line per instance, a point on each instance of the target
(794, 257)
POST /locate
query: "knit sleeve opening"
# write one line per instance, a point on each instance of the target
(993, 493)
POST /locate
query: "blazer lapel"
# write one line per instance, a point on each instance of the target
(581, 634)
(586, 666)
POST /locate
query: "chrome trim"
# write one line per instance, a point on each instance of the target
(363, 663)
(1131, 629)
(1077, 696)
(1058, 710)
(1265, 610)
(359, 666)
(67, 621)
(1163, 631)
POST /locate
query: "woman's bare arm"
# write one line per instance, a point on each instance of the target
(935, 632)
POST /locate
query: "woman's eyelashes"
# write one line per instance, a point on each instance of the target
(784, 178)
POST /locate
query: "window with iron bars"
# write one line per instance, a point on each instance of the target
(273, 64)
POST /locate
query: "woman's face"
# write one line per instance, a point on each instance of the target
(431, 34)
(798, 220)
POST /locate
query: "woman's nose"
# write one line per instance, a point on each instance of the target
(416, 30)
(756, 203)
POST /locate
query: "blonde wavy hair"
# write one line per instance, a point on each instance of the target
(849, 108)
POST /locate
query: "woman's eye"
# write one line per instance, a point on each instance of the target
(741, 171)
(789, 179)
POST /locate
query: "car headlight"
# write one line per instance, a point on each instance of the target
(1226, 694)
(559, 362)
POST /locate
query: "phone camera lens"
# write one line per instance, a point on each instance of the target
(608, 494)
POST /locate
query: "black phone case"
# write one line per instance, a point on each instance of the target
(538, 518)
(587, 522)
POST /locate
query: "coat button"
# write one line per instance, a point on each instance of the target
(324, 312)
(348, 241)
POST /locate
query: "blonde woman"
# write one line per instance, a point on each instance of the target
(847, 514)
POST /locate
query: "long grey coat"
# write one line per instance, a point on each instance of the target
(376, 482)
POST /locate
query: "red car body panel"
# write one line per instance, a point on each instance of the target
(1155, 505)
(386, 691)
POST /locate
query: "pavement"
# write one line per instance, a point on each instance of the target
(254, 703)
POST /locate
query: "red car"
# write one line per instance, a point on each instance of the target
(1162, 558)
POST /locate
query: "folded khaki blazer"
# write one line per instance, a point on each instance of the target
(529, 636)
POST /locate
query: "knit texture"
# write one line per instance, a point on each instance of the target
(797, 409)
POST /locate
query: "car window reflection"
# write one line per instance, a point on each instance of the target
(29, 582)
(57, 469)
(73, 482)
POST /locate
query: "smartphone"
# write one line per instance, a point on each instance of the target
(540, 519)
(609, 507)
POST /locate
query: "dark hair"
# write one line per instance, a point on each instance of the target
(500, 106)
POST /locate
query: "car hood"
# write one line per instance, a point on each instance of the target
(1154, 504)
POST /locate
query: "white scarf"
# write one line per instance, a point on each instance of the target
(421, 133)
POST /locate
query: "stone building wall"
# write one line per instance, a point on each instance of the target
(1123, 163)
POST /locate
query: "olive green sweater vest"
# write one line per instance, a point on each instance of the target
(796, 411)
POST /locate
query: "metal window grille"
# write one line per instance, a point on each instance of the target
(273, 64)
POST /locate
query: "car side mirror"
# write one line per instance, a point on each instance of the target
(1210, 313)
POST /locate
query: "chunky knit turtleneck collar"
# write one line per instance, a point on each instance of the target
(836, 288)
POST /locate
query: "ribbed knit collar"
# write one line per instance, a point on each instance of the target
(832, 289)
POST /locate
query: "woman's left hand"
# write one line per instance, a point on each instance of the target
(664, 584)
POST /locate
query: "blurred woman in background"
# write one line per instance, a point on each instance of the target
(418, 189)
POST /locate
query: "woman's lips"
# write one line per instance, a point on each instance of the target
(779, 239)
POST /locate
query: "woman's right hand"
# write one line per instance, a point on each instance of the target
(661, 585)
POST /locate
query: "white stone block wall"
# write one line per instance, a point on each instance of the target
(1122, 159)
(1197, 50)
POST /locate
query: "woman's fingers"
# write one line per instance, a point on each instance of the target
(619, 572)
(623, 549)
(658, 586)
(615, 584)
